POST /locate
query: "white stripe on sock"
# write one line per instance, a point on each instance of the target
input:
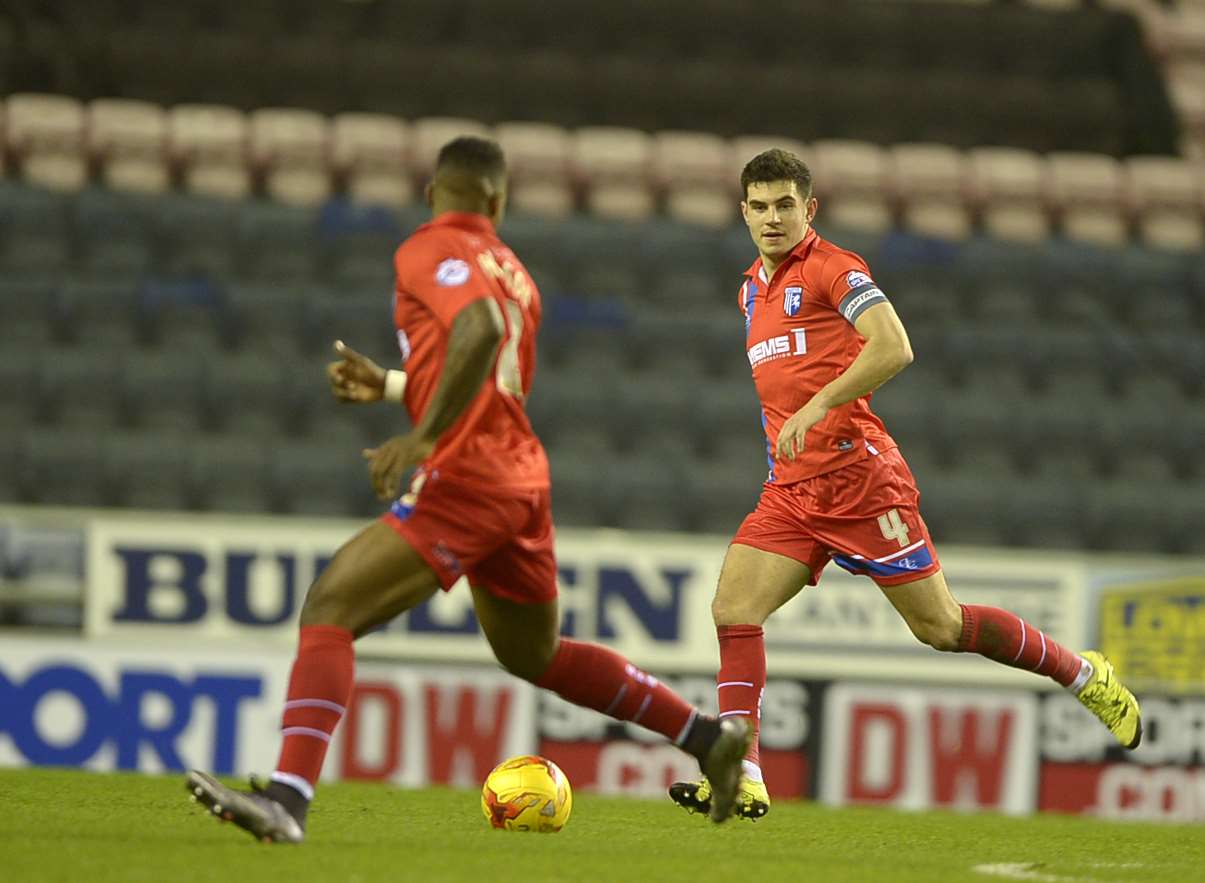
(306, 731)
(623, 688)
(1022, 650)
(295, 782)
(315, 703)
(738, 711)
(643, 707)
(734, 684)
(1043, 659)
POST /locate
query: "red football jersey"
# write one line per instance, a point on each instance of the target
(799, 336)
(444, 266)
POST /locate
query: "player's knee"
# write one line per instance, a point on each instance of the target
(734, 611)
(528, 663)
(325, 604)
(940, 634)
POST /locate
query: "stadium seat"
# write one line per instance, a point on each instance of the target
(228, 474)
(46, 133)
(209, 143)
(318, 479)
(34, 232)
(146, 470)
(928, 180)
(537, 156)
(269, 319)
(128, 141)
(430, 134)
(114, 234)
(370, 152)
(289, 148)
(161, 391)
(1087, 191)
(851, 178)
(78, 389)
(245, 394)
(1009, 185)
(197, 236)
(100, 316)
(60, 466)
(614, 165)
(27, 311)
(187, 318)
(1166, 194)
(743, 148)
(278, 243)
(691, 169)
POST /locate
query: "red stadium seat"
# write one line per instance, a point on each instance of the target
(1087, 189)
(929, 179)
(371, 152)
(128, 140)
(209, 143)
(1008, 183)
(537, 155)
(46, 134)
(614, 164)
(1166, 193)
(851, 181)
(290, 147)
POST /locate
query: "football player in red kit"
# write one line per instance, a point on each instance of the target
(821, 337)
(466, 314)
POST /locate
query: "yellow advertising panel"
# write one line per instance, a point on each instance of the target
(1154, 633)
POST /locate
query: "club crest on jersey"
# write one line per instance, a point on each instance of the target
(792, 299)
(856, 279)
(452, 272)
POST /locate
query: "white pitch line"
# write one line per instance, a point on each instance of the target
(1026, 871)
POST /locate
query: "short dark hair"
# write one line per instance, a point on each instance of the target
(480, 157)
(776, 164)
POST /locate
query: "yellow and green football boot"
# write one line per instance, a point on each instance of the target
(752, 799)
(1107, 698)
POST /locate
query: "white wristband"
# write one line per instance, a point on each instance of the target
(395, 385)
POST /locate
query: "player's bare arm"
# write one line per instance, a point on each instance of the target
(473, 343)
(886, 353)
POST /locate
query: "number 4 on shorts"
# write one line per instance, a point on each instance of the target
(894, 528)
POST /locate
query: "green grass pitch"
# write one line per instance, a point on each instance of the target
(61, 825)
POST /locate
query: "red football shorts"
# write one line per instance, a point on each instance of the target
(501, 540)
(863, 516)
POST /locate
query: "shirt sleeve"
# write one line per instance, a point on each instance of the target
(849, 287)
(442, 278)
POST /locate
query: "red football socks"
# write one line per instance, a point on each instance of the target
(742, 677)
(595, 677)
(1005, 637)
(319, 687)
